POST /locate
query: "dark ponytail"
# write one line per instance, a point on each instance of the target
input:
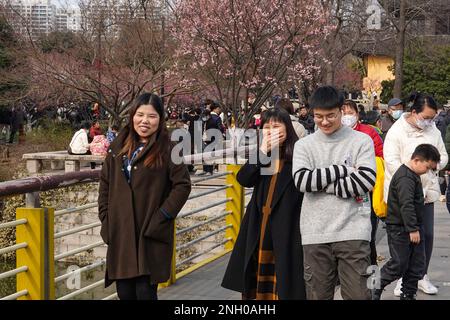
(418, 102)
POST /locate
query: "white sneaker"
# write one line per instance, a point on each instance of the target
(398, 288)
(426, 286)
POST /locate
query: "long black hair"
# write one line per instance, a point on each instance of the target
(282, 116)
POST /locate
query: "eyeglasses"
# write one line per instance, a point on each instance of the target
(329, 117)
(426, 119)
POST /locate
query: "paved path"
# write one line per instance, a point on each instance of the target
(204, 283)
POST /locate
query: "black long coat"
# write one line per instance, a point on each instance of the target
(284, 220)
(139, 236)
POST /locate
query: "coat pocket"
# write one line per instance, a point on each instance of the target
(160, 228)
(104, 230)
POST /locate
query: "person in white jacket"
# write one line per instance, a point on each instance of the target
(79, 143)
(414, 128)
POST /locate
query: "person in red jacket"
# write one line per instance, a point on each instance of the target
(95, 130)
(350, 118)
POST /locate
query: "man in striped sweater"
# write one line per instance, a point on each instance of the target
(335, 168)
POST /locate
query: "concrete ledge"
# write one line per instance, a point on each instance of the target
(61, 155)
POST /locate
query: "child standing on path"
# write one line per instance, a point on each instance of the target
(404, 223)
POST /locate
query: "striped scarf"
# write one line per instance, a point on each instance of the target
(266, 279)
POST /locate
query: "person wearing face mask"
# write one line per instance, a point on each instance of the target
(395, 111)
(350, 118)
(412, 129)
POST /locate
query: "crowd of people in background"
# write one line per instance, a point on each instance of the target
(326, 181)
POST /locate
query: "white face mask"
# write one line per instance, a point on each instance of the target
(349, 120)
(397, 114)
(423, 123)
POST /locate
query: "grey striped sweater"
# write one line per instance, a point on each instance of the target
(334, 172)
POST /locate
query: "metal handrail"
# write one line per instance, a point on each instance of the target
(82, 290)
(13, 248)
(212, 205)
(76, 209)
(111, 297)
(79, 250)
(203, 252)
(11, 273)
(203, 222)
(190, 243)
(85, 268)
(201, 194)
(45, 183)
(214, 176)
(16, 295)
(13, 223)
(75, 230)
(37, 184)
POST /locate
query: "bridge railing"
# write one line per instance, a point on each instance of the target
(35, 232)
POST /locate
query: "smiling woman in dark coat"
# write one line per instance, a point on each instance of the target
(141, 192)
(267, 259)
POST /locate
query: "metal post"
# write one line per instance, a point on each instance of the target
(38, 256)
(32, 200)
(236, 205)
(173, 265)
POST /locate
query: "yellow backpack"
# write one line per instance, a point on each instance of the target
(379, 206)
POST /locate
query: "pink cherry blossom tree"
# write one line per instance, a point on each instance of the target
(255, 46)
(121, 51)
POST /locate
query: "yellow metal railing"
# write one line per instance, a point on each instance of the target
(35, 256)
(38, 256)
(235, 208)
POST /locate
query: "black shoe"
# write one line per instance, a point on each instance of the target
(376, 294)
(407, 296)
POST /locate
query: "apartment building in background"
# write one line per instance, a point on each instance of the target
(40, 17)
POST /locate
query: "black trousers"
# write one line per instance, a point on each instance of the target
(407, 260)
(136, 289)
(12, 134)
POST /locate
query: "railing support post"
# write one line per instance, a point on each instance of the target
(38, 255)
(173, 265)
(236, 205)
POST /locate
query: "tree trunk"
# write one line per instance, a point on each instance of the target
(399, 51)
(329, 78)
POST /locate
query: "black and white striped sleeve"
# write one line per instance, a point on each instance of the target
(313, 180)
(307, 178)
(356, 184)
(361, 180)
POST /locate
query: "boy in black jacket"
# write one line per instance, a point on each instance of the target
(404, 223)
